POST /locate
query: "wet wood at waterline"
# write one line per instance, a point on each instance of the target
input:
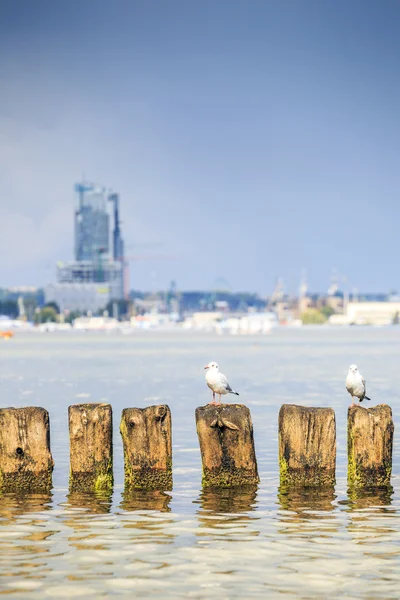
(307, 445)
(91, 450)
(147, 442)
(25, 457)
(370, 445)
(227, 446)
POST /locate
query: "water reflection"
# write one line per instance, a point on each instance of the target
(228, 512)
(145, 513)
(92, 502)
(306, 502)
(84, 513)
(370, 497)
(372, 520)
(305, 507)
(136, 500)
(25, 537)
(15, 504)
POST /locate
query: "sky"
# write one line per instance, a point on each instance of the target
(248, 139)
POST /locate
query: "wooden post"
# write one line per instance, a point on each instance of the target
(147, 440)
(90, 433)
(307, 445)
(369, 445)
(25, 458)
(227, 446)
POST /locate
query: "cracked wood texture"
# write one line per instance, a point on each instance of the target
(307, 445)
(91, 449)
(370, 445)
(147, 441)
(227, 446)
(25, 458)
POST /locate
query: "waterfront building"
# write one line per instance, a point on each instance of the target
(96, 275)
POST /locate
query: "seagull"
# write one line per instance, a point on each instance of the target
(217, 382)
(355, 384)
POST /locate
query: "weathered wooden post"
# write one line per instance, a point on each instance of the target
(147, 440)
(307, 445)
(91, 458)
(227, 446)
(369, 445)
(25, 458)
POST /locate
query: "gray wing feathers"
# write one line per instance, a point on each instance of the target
(224, 382)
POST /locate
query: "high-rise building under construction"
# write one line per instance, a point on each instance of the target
(96, 275)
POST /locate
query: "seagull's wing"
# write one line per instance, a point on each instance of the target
(364, 384)
(224, 382)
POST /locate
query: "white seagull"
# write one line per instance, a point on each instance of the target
(355, 384)
(217, 382)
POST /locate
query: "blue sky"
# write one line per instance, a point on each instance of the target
(253, 139)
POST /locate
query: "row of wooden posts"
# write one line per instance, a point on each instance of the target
(307, 447)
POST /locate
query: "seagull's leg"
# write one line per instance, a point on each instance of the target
(213, 402)
(219, 399)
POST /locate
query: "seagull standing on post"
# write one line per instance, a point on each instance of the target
(355, 384)
(217, 382)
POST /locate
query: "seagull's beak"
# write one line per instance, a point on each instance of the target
(206, 367)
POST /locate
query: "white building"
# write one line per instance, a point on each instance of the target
(368, 313)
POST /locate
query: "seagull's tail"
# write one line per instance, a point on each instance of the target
(233, 392)
(366, 398)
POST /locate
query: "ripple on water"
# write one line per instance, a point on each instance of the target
(193, 543)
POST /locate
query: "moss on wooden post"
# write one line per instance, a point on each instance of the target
(25, 458)
(147, 441)
(227, 446)
(307, 446)
(369, 445)
(91, 458)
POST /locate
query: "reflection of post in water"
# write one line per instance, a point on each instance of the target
(368, 526)
(224, 507)
(133, 500)
(302, 499)
(82, 521)
(369, 497)
(145, 514)
(13, 505)
(307, 507)
(93, 502)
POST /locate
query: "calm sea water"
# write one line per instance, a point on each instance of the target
(191, 543)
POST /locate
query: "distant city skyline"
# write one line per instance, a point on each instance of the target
(251, 139)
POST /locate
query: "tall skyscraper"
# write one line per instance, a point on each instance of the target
(96, 276)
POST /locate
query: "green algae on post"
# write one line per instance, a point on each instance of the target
(26, 463)
(147, 441)
(91, 451)
(369, 445)
(307, 446)
(226, 440)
